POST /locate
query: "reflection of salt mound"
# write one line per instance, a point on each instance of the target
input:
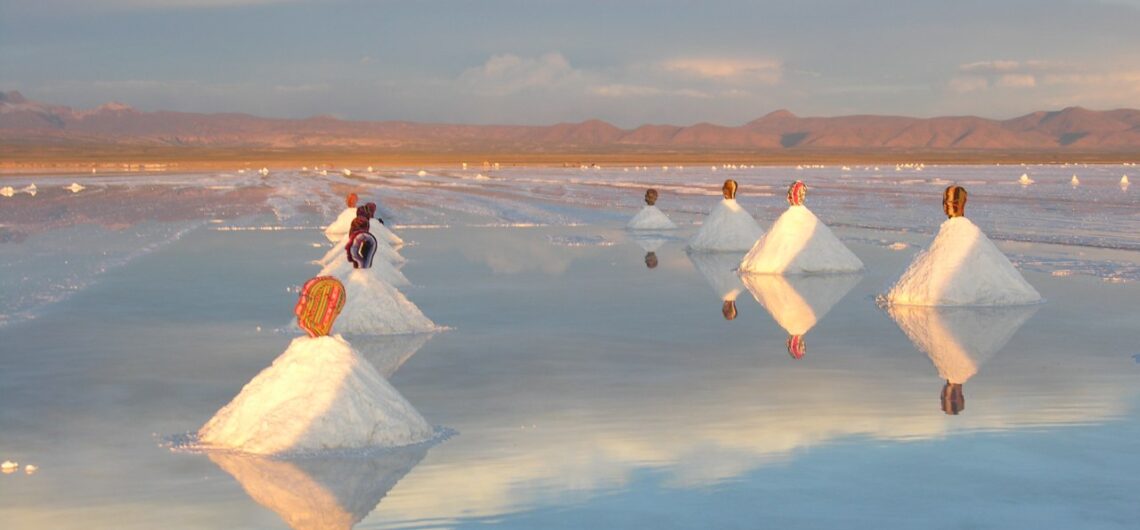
(388, 353)
(383, 270)
(962, 267)
(384, 253)
(719, 269)
(650, 242)
(797, 303)
(650, 218)
(339, 228)
(318, 395)
(728, 228)
(372, 307)
(960, 339)
(383, 233)
(320, 493)
(797, 243)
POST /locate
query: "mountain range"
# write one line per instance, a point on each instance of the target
(30, 122)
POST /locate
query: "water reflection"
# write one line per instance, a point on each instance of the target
(650, 242)
(719, 269)
(797, 303)
(389, 352)
(959, 340)
(320, 493)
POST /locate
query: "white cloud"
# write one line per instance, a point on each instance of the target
(990, 66)
(766, 71)
(508, 74)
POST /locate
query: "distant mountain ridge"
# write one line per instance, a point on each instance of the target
(1073, 128)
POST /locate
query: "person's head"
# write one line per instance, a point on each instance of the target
(651, 196)
(729, 189)
(954, 201)
(370, 207)
(728, 309)
(953, 400)
(797, 193)
(351, 199)
(796, 346)
(651, 260)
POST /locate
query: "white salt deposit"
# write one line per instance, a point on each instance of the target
(75, 187)
(9, 466)
(7, 191)
(728, 228)
(373, 307)
(650, 218)
(797, 303)
(385, 234)
(799, 243)
(384, 253)
(340, 269)
(1025, 180)
(421, 173)
(1124, 181)
(1075, 181)
(319, 395)
(959, 340)
(339, 228)
(962, 267)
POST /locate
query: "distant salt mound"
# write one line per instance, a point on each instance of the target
(1075, 181)
(1025, 180)
(373, 307)
(962, 267)
(320, 395)
(340, 269)
(959, 340)
(384, 253)
(7, 191)
(650, 218)
(799, 243)
(339, 228)
(728, 228)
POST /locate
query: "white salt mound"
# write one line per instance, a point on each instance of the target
(797, 303)
(383, 233)
(8, 191)
(959, 340)
(799, 243)
(373, 307)
(1075, 181)
(650, 218)
(319, 395)
(1025, 180)
(728, 228)
(962, 267)
(339, 228)
(340, 269)
(383, 253)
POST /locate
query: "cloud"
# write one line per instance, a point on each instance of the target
(634, 91)
(1017, 81)
(507, 74)
(766, 71)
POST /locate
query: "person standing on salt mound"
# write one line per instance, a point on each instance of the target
(799, 243)
(650, 218)
(384, 252)
(320, 395)
(340, 227)
(340, 266)
(728, 228)
(962, 267)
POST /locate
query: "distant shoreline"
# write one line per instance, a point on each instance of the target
(141, 160)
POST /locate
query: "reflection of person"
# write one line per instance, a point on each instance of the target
(796, 346)
(728, 309)
(651, 260)
(650, 196)
(729, 189)
(953, 400)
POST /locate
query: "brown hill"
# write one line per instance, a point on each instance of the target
(29, 121)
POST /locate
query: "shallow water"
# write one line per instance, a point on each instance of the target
(583, 388)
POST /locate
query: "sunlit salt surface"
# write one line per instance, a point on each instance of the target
(585, 384)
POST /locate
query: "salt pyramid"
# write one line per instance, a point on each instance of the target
(339, 228)
(797, 303)
(319, 395)
(320, 493)
(383, 270)
(719, 269)
(728, 228)
(373, 307)
(799, 243)
(959, 340)
(961, 267)
(384, 252)
(650, 218)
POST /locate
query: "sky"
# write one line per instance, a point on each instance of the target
(629, 62)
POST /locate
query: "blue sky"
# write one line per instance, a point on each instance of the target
(546, 61)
